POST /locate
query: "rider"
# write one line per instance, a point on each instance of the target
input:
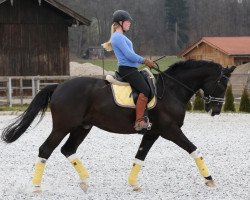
(128, 62)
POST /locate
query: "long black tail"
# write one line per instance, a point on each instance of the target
(39, 103)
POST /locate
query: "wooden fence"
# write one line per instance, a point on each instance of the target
(22, 89)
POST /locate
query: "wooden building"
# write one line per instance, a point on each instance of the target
(223, 50)
(34, 37)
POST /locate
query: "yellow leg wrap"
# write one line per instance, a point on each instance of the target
(81, 170)
(132, 178)
(202, 167)
(38, 174)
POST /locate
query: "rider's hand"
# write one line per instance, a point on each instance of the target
(149, 63)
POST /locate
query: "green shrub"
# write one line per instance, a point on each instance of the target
(245, 102)
(198, 102)
(189, 106)
(229, 100)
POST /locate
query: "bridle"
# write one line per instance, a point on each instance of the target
(207, 99)
(210, 98)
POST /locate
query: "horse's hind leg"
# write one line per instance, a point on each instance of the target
(176, 135)
(146, 143)
(45, 151)
(76, 137)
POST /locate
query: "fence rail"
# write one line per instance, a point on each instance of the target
(16, 89)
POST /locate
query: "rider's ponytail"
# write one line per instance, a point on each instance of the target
(107, 45)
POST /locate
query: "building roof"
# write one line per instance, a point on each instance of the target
(228, 45)
(79, 19)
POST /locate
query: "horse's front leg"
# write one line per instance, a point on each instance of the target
(176, 135)
(146, 143)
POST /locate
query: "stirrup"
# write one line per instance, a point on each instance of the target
(143, 123)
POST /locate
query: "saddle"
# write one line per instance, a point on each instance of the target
(125, 95)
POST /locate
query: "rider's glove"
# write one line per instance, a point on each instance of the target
(149, 63)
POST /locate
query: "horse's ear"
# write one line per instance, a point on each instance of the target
(231, 69)
(228, 70)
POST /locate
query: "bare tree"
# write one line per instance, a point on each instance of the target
(150, 30)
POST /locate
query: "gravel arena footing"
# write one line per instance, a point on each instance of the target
(168, 171)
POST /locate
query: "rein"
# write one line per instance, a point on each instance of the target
(170, 77)
(207, 99)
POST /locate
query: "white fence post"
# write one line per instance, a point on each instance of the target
(37, 85)
(21, 91)
(33, 88)
(9, 92)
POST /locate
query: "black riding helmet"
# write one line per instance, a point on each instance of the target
(121, 15)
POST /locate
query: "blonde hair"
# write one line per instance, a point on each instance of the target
(107, 45)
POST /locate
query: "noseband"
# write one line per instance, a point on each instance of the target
(208, 99)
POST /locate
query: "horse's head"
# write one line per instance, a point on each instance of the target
(214, 91)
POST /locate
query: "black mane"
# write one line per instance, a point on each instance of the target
(190, 64)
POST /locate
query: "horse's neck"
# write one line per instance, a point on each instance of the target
(186, 84)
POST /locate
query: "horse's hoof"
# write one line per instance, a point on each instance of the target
(84, 185)
(37, 189)
(210, 183)
(136, 188)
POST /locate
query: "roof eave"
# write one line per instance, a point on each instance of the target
(81, 19)
(1, 1)
(186, 51)
(240, 55)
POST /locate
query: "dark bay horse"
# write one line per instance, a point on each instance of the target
(81, 103)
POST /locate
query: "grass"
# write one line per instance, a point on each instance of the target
(25, 106)
(14, 107)
(236, 105)
(111, 64)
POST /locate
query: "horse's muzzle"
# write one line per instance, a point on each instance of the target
(213, 110)
(213, 113)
